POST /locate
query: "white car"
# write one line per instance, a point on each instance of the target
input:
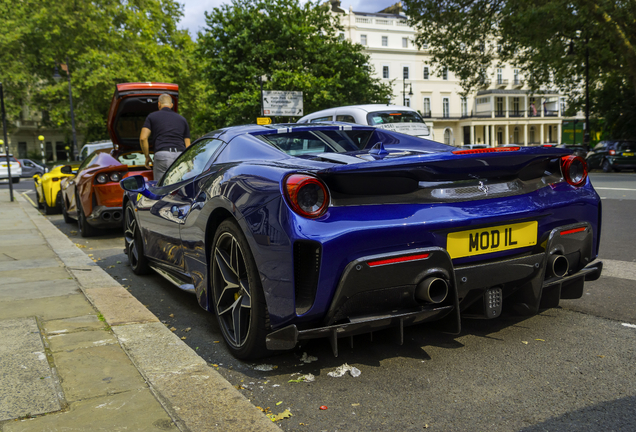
(16, 169)
(392, 117)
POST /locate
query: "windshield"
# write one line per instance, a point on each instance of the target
(313, 142)
(384, 117)
(627, 146)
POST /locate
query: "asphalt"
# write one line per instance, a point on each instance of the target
(78, 352)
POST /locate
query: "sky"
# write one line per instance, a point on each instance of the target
(194, 19)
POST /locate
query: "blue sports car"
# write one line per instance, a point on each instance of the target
(292, 232)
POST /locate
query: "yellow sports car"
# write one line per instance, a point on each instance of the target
(47, 188)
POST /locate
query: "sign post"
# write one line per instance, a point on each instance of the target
(283, 103)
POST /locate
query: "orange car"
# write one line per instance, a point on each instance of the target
(93, 197)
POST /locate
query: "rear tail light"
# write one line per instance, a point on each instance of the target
(574, 169)
(106, 177)
(307, 195)
(612, 152)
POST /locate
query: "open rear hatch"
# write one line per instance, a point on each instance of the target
(131, 104)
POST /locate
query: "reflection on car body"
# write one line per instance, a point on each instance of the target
(293, 232)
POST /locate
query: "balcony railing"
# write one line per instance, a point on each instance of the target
(502, 83)
(518, 83)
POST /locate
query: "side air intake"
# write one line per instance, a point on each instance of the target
(306, 271)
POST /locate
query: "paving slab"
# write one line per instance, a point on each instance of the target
(29, 264)
(44, 274)
(99, 371)
(47, 308)
(118, 306)
(39, 289)
(74, 324)
(92, 277)
(29, 386)
(77, 340)
(135, 410)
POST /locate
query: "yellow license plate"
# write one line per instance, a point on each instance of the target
(628, 154)
(492, 239)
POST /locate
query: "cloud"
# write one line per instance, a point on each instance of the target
(194, 10)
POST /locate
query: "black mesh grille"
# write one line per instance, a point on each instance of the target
(306, 271)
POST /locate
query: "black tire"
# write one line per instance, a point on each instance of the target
(606, 166)
(85, 229)
(237, 293)
(133, 244)
(37, 196)
(48, 210)
(67, 218)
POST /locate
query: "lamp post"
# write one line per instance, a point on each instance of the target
(41, 139)
(6, 148)
(586, 132)
(262, 79)
(404, 92)
(57, 77)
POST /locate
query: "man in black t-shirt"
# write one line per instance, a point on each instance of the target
(171, 135)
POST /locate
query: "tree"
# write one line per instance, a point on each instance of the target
(105, 42)
(549, 39)
(296, 45)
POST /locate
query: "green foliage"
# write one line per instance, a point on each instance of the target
(547, 39)
(105, 42)
(295, 45)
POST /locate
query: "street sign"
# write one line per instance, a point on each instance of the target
(283, 103)
(263, 120)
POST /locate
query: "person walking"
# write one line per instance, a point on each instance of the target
(171, 135)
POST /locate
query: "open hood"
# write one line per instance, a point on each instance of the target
(131, 104)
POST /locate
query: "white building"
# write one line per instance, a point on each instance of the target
(501, 112)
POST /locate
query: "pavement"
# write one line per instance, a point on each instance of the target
(78, 352)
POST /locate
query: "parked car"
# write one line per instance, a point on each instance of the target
(94, 197)
(89, 148)
(47, 189)
(14, 165)
(611, 156)
(31, 168)
(390, 117)
(577, 150)
(290, 232)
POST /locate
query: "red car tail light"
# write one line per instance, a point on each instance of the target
(574, 169)
(612, 152)
(486, 150)
(307, 195)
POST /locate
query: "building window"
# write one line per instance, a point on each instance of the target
(562, 105)
(405, 42)
(385, 72)
(499, 76)
(531, 135)
(405, 72)
(515, 135)
(363, 39)
(445, 73)
(425, 72)
(516, 72)
(426, 112)
(445, 107)
(341, 36)
(499, 107)
(447, 136)
(385, 41)
(464, 107)
(515, 106)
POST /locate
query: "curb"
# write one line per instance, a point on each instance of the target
(195, 395)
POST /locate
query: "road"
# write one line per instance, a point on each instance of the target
(570, 368)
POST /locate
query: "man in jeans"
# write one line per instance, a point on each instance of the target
(171, 134)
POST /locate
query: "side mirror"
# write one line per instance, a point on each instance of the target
(133, 184)
(137, 184)
(66, 169)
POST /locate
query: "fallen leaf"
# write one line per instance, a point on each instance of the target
(171, 315)
(601, 356)
(183, 338)
(216, 341)
(187, 329)
(278, 403)
(112, 266)
(277, 417)
(118, 262)
(172, 329)
(215, 365)
(356, 404)
(90, 254)
(524, 342)
(80, 245)
(73, 232)
(540, 340)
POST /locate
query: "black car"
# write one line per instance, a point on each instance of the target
(616, 155)
(31, 168)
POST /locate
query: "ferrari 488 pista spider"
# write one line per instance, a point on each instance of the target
(292, 232)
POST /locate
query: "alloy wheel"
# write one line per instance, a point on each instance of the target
(233, 296)
(130, 237)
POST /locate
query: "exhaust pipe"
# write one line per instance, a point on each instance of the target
(106, 216)
(117, 216)
(432, 290)
(558, 265)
